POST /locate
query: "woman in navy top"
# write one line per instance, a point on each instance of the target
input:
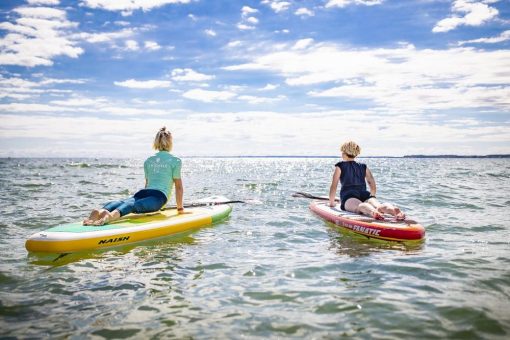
(354, 196)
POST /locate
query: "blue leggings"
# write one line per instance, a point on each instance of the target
(144, 201)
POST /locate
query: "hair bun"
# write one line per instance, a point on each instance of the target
(163, 129)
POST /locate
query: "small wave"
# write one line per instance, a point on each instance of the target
(98, 166)
(499, 175)
(110, 166)
(78, 165)
(33, 185)
(84, 182)
(486, 228)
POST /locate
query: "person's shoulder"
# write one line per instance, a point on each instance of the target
(174, 159)
(339, 164)
(148, 159)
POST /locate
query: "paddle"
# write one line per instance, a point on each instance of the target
(208, 204)
(310, 196)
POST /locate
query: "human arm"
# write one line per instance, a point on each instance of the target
(145, 173)
(179, 194)
(333, 187)
(371, 182)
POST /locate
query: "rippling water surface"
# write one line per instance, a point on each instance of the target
(270, 270)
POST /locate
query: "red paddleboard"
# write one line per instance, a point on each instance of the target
(388, 229)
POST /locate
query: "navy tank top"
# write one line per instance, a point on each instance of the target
(352, 176)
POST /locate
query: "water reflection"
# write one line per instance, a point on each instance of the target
(345, 242)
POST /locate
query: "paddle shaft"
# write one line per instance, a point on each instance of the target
(203, 204)
(310, 196)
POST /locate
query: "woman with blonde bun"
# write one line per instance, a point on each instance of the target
(162, 171)
(354, 196)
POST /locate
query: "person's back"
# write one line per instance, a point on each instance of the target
(160, 171)
(352, 176)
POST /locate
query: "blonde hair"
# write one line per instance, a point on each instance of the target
(351, 149)
(163, 140)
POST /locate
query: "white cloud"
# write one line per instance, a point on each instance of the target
(235, 43)
(18, 88)
(210, 32)
(269, 87)
(48, 81)
(245, 27)
(22, 89)
(133, 111)
(344, 3)
(30, 108)
(41, 12)
(468, 13)
(247, 20)
(247, 11)
(277, 5)
(188, 74)
(122, 23)
(106, 37)
(261, 100)
(143, 84)
(126, 7)
(422, 79)
(132, 45)
(302, 44)
(248, 132)
(152, 45)
(252, 20)
(208, 96)
(504, 36)
(43, 2)
(39, 35)
(304, 12)
(81, 102)
(77, 106)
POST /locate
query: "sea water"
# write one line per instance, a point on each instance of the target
(271, 270)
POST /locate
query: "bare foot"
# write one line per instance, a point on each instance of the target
(399, 215)
(377, 215)
(103, 218)
(94, 215)
(392, 210)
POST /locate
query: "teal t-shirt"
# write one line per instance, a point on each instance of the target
(160, 171)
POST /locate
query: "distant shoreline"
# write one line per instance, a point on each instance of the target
(458, 156)
(406, 156)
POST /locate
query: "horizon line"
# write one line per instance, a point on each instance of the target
(278, 156)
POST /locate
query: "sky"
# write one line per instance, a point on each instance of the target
(98, 78)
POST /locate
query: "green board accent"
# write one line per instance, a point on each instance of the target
(77, 227)
(222, 215)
